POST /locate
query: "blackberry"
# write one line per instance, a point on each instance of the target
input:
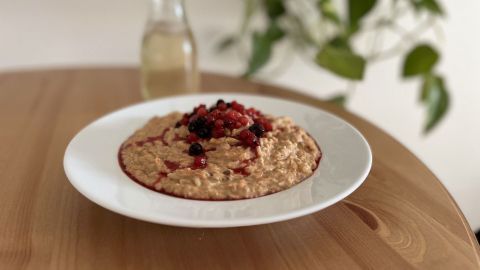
(257, 129)
(195, 149)
(196, 124)
(204, 133)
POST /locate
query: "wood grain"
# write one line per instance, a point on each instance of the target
(400, 218)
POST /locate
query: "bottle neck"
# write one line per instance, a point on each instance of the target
(167, 10)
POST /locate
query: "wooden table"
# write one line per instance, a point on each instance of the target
(400, 218)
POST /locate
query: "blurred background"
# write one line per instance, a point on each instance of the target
(66, 33)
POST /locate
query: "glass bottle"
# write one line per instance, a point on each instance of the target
(169, 56)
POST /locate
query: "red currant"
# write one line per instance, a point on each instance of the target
(192, 137)
(200, 162)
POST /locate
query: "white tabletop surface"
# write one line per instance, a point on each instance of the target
(58, 33)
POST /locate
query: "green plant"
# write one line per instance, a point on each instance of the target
(329, 40)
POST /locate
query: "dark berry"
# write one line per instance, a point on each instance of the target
(192, 126)
(222, 106)
(200, 162)
(195, 149)
(257, 129)
(196, 124)
(220, 101)
(204, 132)
(177, 125)
(228, 123)
(229, 104)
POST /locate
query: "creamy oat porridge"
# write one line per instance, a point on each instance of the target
(224, 152)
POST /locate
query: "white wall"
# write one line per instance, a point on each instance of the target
(88, 32)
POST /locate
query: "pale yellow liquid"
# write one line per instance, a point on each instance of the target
(169, 65)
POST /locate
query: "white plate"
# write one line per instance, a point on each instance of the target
(91, 165)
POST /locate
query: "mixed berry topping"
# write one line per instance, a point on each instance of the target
(220, 120)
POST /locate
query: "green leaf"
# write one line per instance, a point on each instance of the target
(274, 32)
(338, 100)
(262, 44)
(340, 42)
(428, 5)
(342, 62)
(275, 8)
(435, 96)
(420, 60)
(327, 9)
(226, 43)
(357, 9)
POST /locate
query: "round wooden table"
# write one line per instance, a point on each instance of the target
(400, 218)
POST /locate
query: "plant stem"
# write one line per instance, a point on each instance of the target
(408, 37)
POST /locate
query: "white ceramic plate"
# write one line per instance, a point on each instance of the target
(91, 165)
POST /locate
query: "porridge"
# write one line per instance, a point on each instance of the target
(225, 152)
